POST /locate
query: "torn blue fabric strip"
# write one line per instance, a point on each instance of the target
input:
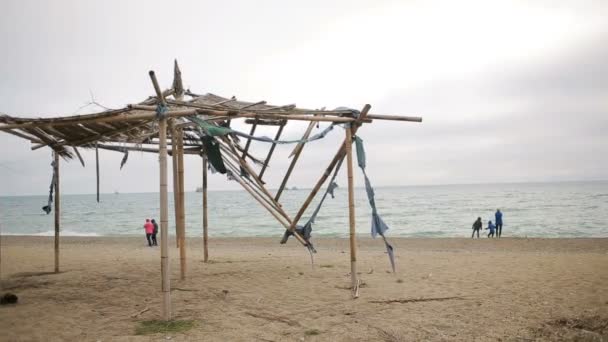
(378, 225)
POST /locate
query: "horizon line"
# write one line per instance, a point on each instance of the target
(356, 187)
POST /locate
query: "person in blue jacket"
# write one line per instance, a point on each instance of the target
(498, 217)
(491, 227)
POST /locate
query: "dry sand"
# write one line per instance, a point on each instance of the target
(258, 290)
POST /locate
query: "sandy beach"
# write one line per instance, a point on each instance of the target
(257, 290)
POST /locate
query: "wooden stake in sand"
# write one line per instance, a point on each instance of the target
(175, 180)
(164, 210)
(351, 213)
(205, 213)
(182, 209)
(57, 211)
(97, 169)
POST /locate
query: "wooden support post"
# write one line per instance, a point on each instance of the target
(205, 213)
(176, 200)
(97, 169)
(182, 206)
(57, 211)
(164, 210)
(351, 213)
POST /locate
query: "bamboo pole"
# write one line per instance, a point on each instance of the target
(253, 126)
(57, 211)
(260, 200)
(339, 155)
(257, 180)
(182, 205)
(205, 212)
(192, 150)
(351, 212)
(394, 117)
(97, 169)
(174, 162)
(164, 212)
(298, 149)
(272, 147)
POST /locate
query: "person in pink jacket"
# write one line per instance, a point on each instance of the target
(149, 227)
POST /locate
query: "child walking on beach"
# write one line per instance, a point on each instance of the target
(491, 227)
(476, 227)
(149, 228)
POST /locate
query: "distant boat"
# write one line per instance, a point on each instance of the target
(116, 192)
(294, 188)
(199, 189)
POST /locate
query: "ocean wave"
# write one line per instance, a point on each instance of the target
(52, 233)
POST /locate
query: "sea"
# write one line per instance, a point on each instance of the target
(548, 210)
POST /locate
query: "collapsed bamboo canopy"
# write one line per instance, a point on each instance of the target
(201, 125)
(137, 123)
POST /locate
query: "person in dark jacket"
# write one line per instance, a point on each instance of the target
(476, 227)
(154, 242)
(498, 220)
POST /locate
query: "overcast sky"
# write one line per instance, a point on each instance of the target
(510, 91)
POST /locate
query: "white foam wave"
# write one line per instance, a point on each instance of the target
(52, 233)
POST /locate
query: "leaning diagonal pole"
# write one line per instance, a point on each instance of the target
(339, 156)
(296, 155)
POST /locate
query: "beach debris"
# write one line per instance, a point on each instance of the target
(225, 293)
(140, 312)
(271, 317)
(415, 300)
(312, 332)
(371, 270)
(9, 298)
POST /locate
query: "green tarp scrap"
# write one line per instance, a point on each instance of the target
(48, 207)
(214, 155)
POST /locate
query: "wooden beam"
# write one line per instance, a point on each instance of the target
(394, 118)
